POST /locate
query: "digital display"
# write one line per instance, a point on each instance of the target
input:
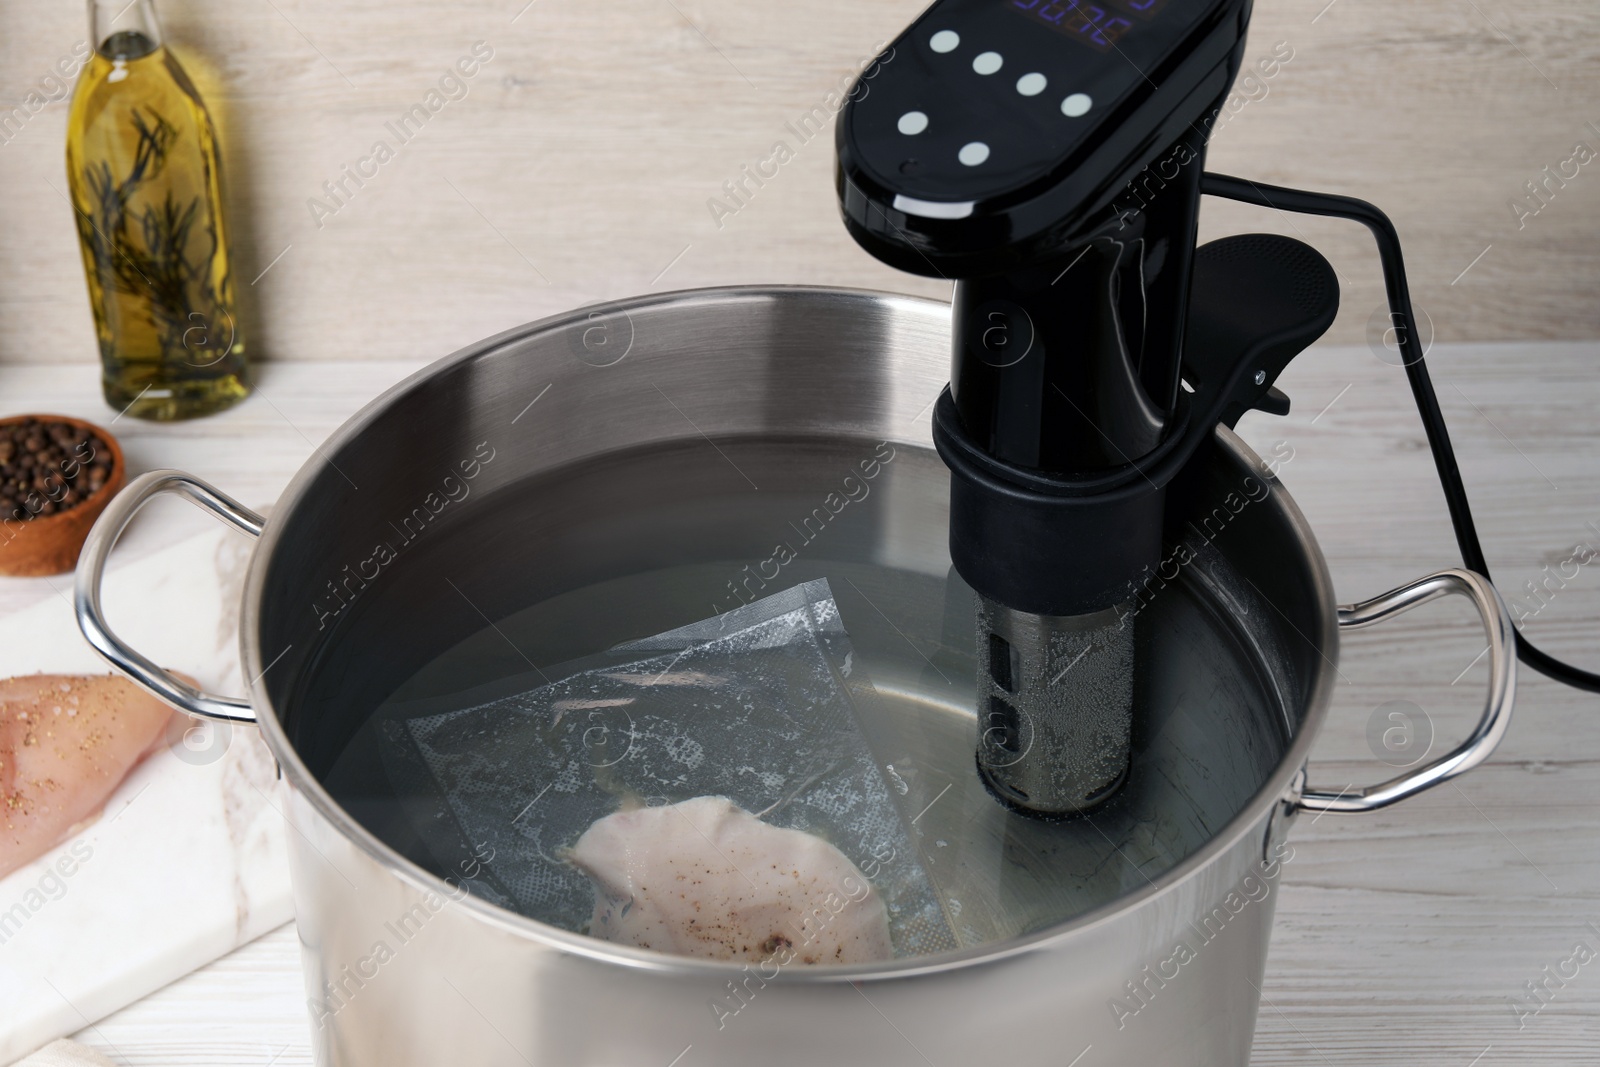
(1099, 26)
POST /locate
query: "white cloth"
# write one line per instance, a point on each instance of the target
(65, 1053)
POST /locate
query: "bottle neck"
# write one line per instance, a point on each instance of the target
(122, 30)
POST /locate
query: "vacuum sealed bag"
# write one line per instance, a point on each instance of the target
(695, 755)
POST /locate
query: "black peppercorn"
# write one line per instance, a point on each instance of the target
(48, 467)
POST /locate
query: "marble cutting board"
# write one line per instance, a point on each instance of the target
(188, 860)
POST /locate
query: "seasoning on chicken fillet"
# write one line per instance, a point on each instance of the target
(706, 878)
(66, 743)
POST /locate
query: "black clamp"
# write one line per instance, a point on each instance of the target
(1053, 545)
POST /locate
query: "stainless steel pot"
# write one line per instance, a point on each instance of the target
(609, 441)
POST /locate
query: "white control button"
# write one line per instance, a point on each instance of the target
(1031, 84)
(1075, 105)
(945, 41)
(988, 62)
(913, 123)
(974, 153)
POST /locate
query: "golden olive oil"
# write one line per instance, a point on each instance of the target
(146, 183)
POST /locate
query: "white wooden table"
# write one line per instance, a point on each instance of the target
(1403, 937)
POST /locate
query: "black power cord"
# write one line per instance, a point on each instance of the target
(1444, 457)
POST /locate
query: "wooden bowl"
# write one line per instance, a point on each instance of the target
(49, 544)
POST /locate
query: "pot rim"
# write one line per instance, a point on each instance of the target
(1278, 784)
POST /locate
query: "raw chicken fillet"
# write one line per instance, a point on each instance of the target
(707, 878)
(66, 743)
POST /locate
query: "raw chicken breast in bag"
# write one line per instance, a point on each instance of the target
(708, 791)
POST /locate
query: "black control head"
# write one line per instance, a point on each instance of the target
(1000, 129)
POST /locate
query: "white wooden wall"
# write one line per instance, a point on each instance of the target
(579, 164)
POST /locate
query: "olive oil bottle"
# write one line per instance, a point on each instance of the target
(146, 184)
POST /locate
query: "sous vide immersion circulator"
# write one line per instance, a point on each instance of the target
(1047, 157)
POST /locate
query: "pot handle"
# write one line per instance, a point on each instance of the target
(91, 570)
(1496, 710)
